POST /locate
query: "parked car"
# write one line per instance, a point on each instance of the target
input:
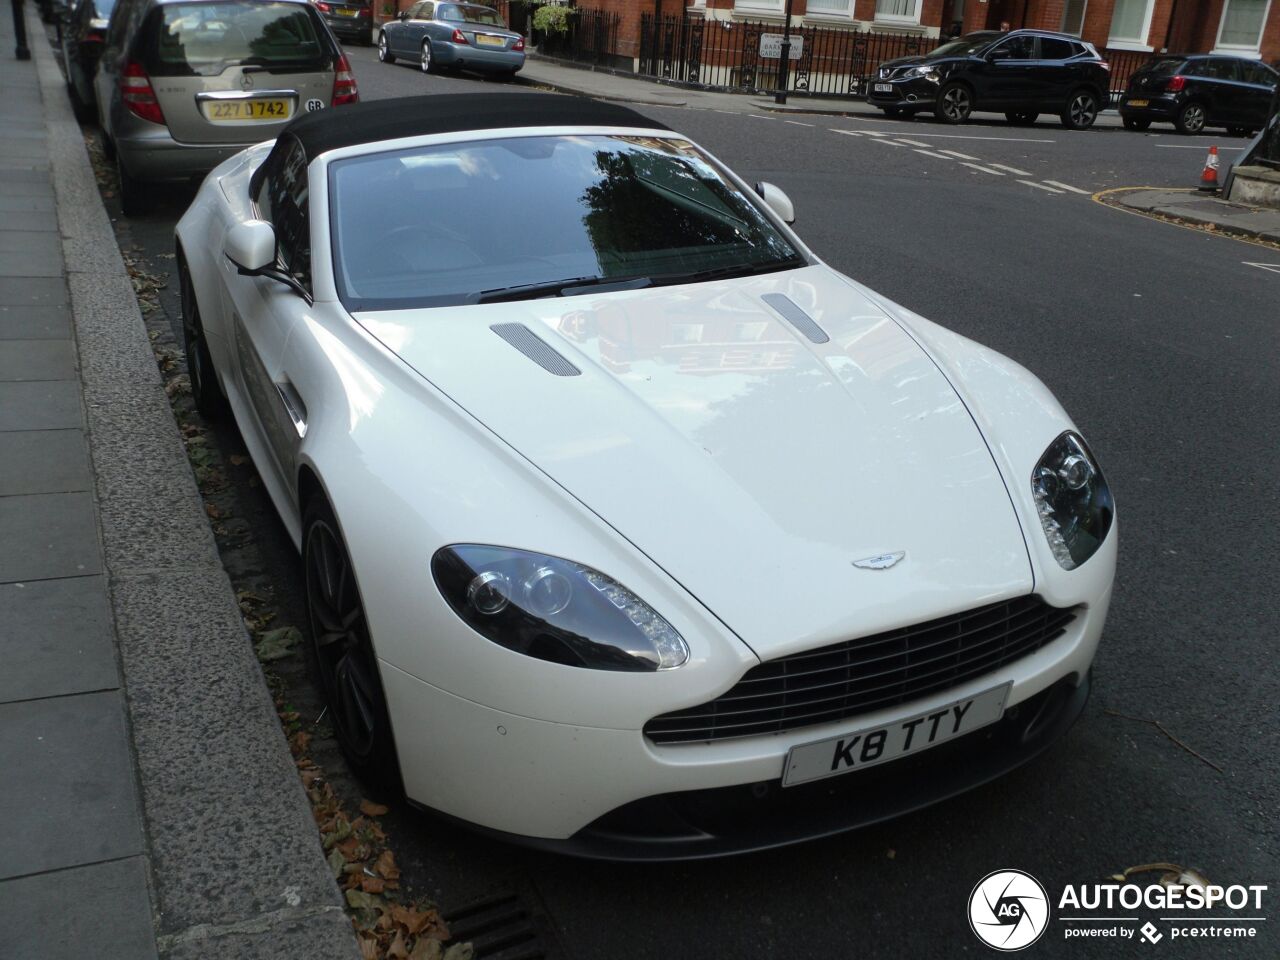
(1200, 90)
(184, 84)
(452, 35)
(628, 526)
(83, 34)
(348, 19)
(1023, 74)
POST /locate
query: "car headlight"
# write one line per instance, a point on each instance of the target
(928, 72)
(554, 609)
(1073, 500)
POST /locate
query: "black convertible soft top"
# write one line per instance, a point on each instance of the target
(374, 120)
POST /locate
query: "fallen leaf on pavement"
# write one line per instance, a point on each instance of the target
(398, 950)
(386, 865)
(460, 951)
(336, 863)
(371, 809)
(372, 884)
(359, 900)
(277, 644)
(426, 950)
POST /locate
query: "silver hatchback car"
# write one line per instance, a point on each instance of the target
(184, 84)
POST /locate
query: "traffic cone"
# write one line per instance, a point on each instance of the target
(1209, 178)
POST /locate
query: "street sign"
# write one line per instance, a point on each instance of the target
(771, 46)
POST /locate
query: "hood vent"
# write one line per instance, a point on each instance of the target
(535, 348)
(796, 317)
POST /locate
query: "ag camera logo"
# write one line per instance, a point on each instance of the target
(1008, 910)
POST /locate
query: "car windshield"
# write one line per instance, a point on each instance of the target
(964, 46)
(469, 13)
(203, 39)
(539, 216)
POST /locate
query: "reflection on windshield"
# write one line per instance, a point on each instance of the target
(964, 46)
(203, 39)
(443, 225)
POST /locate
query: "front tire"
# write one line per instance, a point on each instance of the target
(1080, 110)
(1136, 123)
(955, 103)
(205, 391)
(426, 61)
(1191, 118)
(384, 49)
(344, 655)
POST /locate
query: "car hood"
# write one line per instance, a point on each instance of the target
(758, 468)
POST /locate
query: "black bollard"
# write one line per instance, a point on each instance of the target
(21, 51)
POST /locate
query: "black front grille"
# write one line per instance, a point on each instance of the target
(870, 673)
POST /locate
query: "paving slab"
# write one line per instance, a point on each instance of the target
(57, 639)
(39, 404)
(35, 323)
(48, 535)
(32, 291)
(43, 461)
(37, 360)
(29, 253)
(22, 180)
(14, 204)
(27, 148)
(98, 911)
(74, 755)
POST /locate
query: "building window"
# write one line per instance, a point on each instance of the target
(1073, 17)
(1130, 24)
(828, 7)
(1241, 27)
(898, 11)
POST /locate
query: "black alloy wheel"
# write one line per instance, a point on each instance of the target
(1191, 118)
(344, 655)
(1136, 123)
(955, 103)
(1080, 111)
(204, 385)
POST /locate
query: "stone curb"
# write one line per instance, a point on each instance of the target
(1161, 207)
(236, 867)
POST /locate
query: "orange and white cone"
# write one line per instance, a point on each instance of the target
(1209, 178)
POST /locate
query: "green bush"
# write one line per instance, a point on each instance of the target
(553, 18)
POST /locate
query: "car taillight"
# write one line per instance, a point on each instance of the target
(344, 83)
(1175, 84)
(93, 36)
(364, 12)
(458, 37)
(518, 45)
(324, 8)
(137, 94)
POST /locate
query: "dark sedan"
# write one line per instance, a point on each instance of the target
(452, 35)
(1021, 74)
(348, 19)
(82, 37)
(1194, 92)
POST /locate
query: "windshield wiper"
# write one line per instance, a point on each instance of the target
(559, 288)
(728, 272)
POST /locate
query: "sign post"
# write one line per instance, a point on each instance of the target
(784, 61)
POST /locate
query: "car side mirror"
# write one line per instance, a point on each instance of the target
(778, 201)
(1000, 54)
(251, 246)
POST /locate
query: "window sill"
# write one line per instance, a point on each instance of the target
(909, 26)
(1129, 45)
(1252, 53)
(842, 17)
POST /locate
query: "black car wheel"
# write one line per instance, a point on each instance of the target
(204, 385)
(343, 651)
(1080, 111)
(384, 49)
(1191, 118)
(1022, 119)
(426, 61)
(1136, 123)
(955, 103)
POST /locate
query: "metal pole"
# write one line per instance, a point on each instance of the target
(784, 61)
(21, 51)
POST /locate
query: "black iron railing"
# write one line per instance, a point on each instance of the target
(592, 36)
(1124, 64)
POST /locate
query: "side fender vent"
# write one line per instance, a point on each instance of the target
(535, 348)
(796, 317)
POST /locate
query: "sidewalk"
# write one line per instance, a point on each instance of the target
(150, 803)
(608, 84)
(1203, 209)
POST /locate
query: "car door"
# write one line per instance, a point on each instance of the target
(1011, 75)
(264, 312)
(1258, 83)
(1216, 84)
(420, 26)
(1057, 71)
(398, 30)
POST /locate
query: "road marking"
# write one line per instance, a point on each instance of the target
(1067, 186)
(1013, 170)
(1273, 267)
(847, 133)
(914, 143)
(1193, 146)
(798, 123)
(957, 136)
(1040, 186)
(888, 143)
(962, 156)
(759, 117)
(930, 153)
(977, 166)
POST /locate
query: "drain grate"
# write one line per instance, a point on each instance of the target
(500, 928)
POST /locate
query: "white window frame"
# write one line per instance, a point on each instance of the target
(1254, 51)
(912, 20)
(1084, 12)
(1128, 43)
(768, 8)
(828, 13)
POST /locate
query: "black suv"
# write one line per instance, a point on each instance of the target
(1022, 74)
(348, 19)
(1194, 92)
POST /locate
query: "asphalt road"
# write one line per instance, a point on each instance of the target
(1161, 341)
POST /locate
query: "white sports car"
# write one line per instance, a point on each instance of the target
(630, 528)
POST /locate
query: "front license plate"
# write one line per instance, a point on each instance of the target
(240, 111)
(484, 40)
(884, 88)
(1138, 103)
(866, 748)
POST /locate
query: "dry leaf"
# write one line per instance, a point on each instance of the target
(426, 950)
(460, 951)
(398, 950)
(372, 884)
(238, 459)
(369, 949)
(371, 809)
(386, 865)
